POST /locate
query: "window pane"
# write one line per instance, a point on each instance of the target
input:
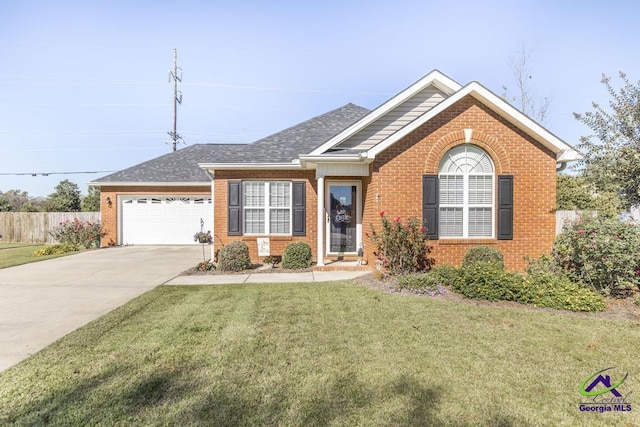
(480, 190)
(451, 189)
(480, 222)
(279, 221)
(253, 194)
(279, 194)
(450, 222)
(254, 221)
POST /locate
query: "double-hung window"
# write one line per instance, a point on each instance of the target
(267, 207)
(466, 187)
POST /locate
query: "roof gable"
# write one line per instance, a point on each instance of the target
(563, 151)
(422, 101)
(416, 99)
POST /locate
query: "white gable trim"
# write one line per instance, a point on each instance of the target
(435, 78)
(563, 151)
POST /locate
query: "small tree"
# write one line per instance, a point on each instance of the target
(612, 153)
(402, 248)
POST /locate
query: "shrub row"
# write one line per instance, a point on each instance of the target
(482, 276)
(482, 280)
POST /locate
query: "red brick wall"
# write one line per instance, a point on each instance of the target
(277, 243)
(109, 215)
(397, 180)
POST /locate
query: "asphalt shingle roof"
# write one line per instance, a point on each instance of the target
(281, 147)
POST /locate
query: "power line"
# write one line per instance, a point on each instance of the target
(50, 173)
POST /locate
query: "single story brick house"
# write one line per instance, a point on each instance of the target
(474, 169)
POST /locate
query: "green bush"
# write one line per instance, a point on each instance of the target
(601, 253)
(489, 281)
(444, 274)
(483, 253)
(234, 257)
(402, 248)
(297, 255)
(486, 280)
(80, 233)
(58, 249)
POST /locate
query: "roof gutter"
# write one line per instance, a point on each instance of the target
(250, 166)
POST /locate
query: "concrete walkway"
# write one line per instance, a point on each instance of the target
(43, 301)
(307, 276)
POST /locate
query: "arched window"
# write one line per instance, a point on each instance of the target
(466, 181)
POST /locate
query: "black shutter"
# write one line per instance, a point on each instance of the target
(299, 208)
(234, 222)
(505, 207)
(430, 201)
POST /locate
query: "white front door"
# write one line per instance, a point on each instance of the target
(344, 217)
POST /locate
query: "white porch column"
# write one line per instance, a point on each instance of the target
(321, 220)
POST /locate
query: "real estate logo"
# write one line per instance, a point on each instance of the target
(603, 394)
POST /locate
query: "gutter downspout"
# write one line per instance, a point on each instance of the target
(562, 167)
(211, 175)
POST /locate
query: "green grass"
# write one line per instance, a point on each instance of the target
(12, 254)
(319, 354)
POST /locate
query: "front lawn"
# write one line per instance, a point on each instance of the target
(320, 354)
(20, 253)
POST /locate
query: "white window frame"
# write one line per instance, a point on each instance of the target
(466, 206)
(267, 208)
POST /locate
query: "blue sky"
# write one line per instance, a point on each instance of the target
(85, 84)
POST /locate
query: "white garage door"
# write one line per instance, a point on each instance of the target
(154, 220)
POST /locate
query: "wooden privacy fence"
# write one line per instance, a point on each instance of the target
(35, 227)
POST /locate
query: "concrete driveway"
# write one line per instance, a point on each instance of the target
(43, 301)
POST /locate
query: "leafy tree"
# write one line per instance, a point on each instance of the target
(91, 202)
(13, 200)
(65, 199)
(612, 152)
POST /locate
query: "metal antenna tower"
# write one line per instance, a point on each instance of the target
(176, 77)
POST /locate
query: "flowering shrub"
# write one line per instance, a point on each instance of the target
(402, 248)
(601, 253)
(58, 249)
(80, 233)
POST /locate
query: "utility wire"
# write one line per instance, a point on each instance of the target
(51, 173)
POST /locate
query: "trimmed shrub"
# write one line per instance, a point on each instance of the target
(234, 257)
(58, 249)
(486, 280)
(483, 253)
(402, 248)
(297, 255)
(601, 253)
